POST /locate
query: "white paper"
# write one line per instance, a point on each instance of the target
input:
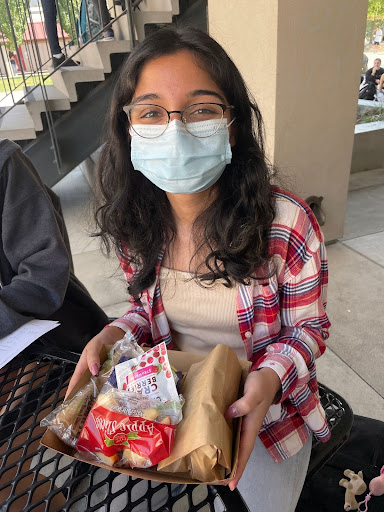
(17, 341)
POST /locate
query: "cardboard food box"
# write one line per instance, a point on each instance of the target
(183, 362)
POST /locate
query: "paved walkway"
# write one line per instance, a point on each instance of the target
(368, 50)
(353, 364)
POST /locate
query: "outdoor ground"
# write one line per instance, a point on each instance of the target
(368, 50)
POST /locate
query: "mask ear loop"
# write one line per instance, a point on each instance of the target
(233, 120)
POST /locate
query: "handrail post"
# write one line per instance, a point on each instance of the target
(131, 27)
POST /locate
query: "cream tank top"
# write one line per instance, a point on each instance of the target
(200, 317)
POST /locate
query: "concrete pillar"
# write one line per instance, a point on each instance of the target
(302, 61)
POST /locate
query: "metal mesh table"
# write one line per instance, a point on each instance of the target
(340, 418)
(34, 478)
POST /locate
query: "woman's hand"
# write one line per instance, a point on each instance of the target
(90, 357)
(260, 390)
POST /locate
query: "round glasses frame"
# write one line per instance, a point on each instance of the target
(127, 109)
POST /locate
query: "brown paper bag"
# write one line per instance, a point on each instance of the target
(203, 443)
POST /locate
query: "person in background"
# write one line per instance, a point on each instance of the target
(104, 18)
(50, 17)
(374, 74)
(36, 269)
(213, 252)
(380, 89)
(378, 39)
(12, 60)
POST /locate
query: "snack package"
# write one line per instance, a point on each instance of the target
(149, 374)
(129, 429)
(67, 420)
(134, 425)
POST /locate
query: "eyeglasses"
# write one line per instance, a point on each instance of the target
(142, 115)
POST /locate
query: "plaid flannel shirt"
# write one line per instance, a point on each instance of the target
(282, 322)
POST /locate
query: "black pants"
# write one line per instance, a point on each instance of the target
(50, 16)
(102, 11)
(363, 451)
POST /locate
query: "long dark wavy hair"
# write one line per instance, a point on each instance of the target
(134, 216)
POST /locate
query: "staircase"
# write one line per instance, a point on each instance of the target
(60, 125)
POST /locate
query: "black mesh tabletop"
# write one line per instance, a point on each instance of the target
(340, 418)
(35, 478)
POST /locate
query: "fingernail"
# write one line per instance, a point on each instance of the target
(95, 369)
(233, 412)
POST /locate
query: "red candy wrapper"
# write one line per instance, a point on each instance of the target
(121, 440)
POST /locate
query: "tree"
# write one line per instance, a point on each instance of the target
(18, 16)
(375, 14)
(69, 11)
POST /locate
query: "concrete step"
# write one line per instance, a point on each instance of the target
(98, 55)
(34, 101)
(175, 7)
(17, 124)
(160, 5)
(142, 18)
(120, 27)
(151, 12)
(65, 79)
(22, 121)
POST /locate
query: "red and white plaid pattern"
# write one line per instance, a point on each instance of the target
(282, 322)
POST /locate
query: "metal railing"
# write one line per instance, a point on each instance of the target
(25, 53)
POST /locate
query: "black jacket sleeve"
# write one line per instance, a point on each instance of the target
(34, 260)
(368, 76)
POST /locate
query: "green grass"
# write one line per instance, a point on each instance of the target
(375, 114)
(17, 83)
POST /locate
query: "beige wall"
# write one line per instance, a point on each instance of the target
(247, 30)
(302, 61)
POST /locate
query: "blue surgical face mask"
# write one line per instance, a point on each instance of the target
(178, 162)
